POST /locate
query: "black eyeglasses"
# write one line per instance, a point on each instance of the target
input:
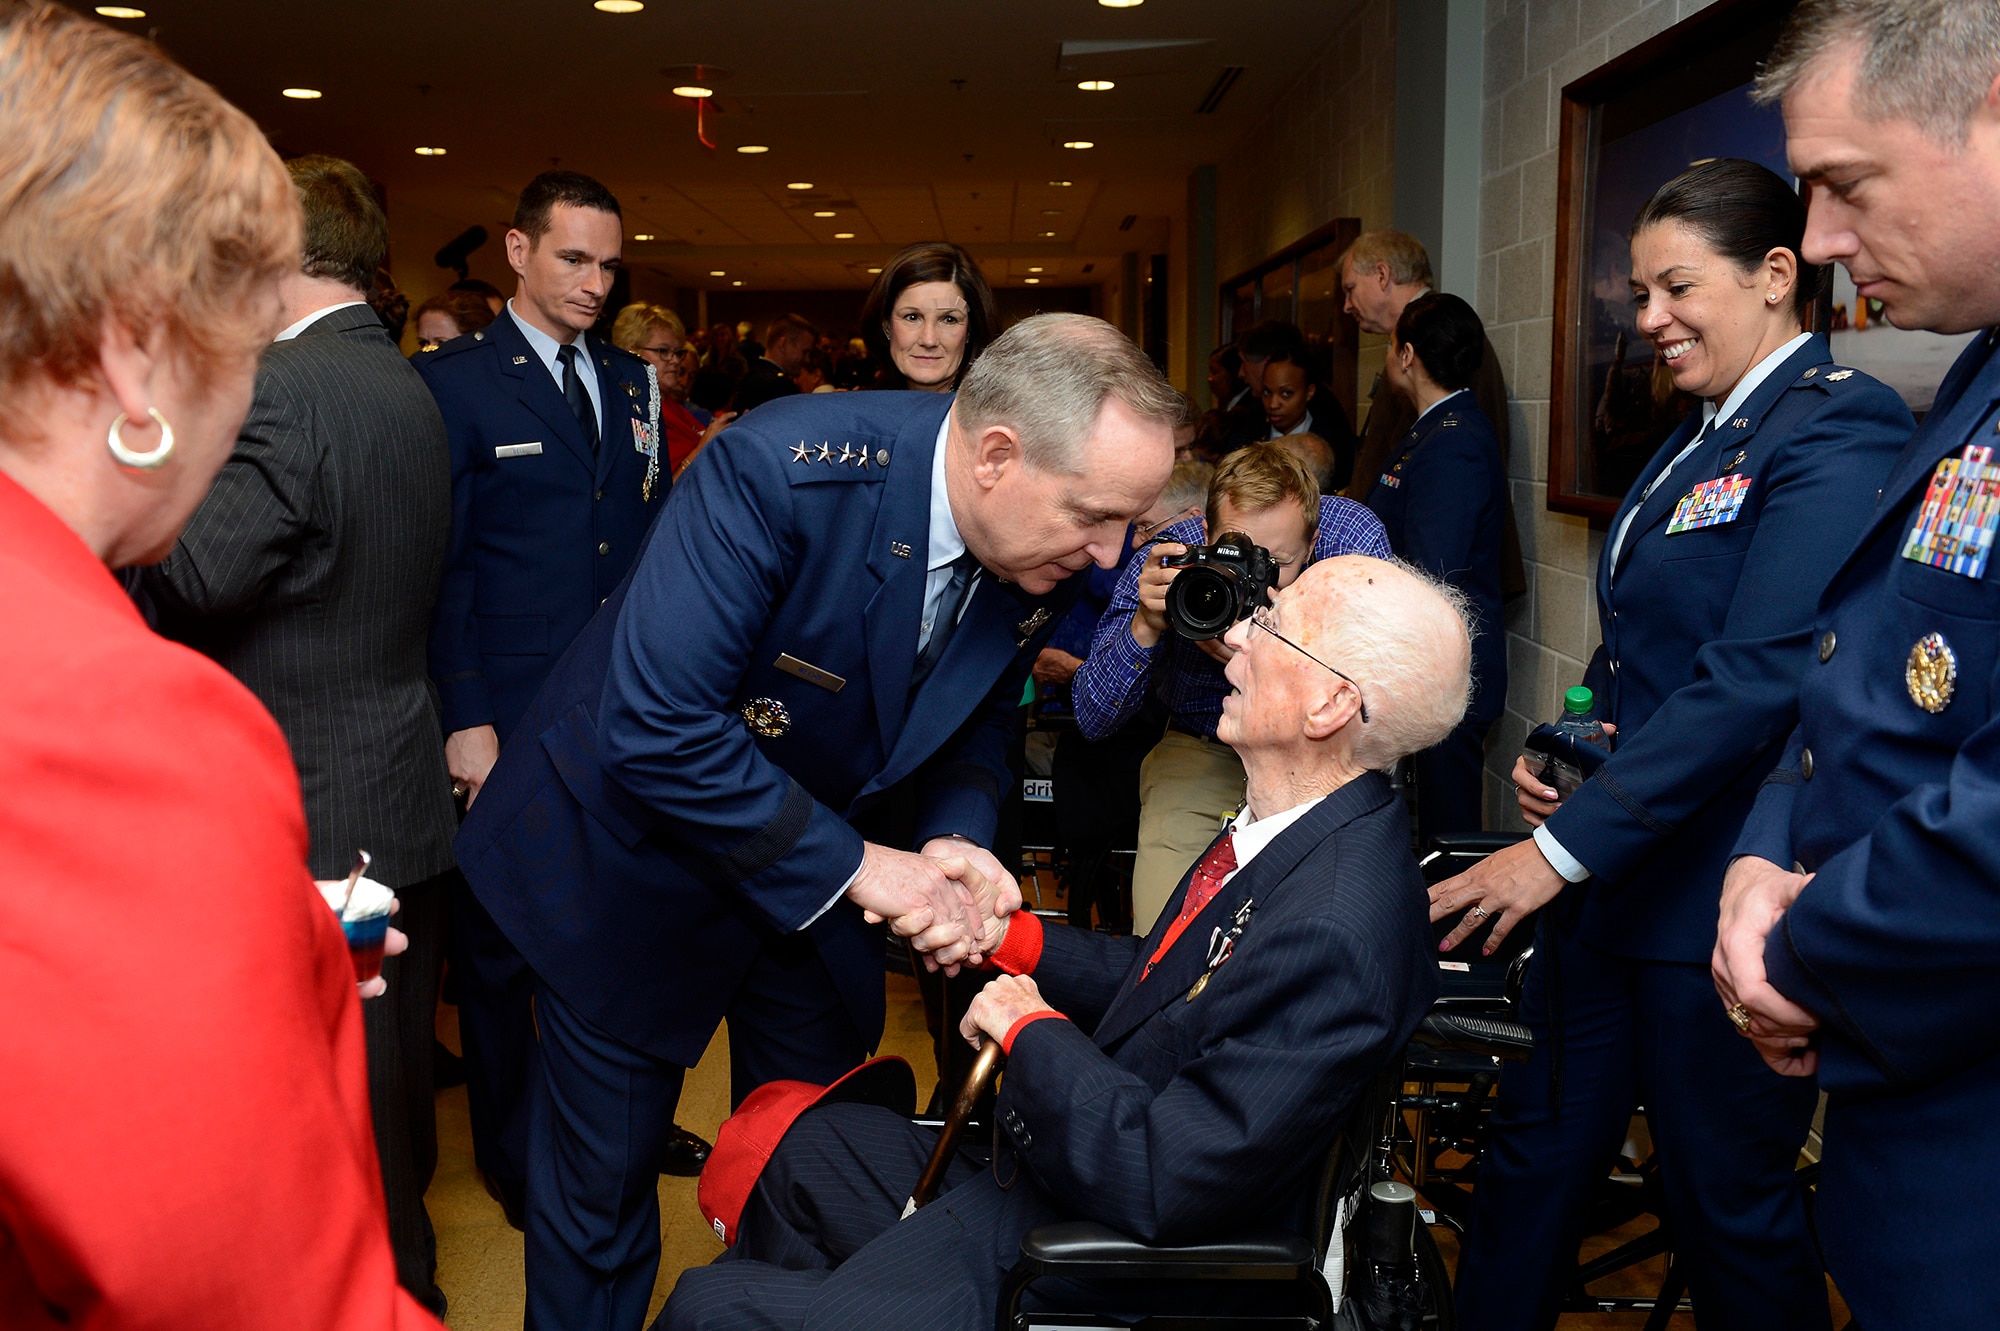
(1144, 530)
(1265, 617)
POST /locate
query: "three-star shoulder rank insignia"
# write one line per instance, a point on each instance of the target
(800, 453)
(825, 453)
(1028, 627)
(1838, 375)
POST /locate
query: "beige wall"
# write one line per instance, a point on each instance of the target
(1533, 48)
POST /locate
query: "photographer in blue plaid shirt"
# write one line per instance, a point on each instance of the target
(1190, 782)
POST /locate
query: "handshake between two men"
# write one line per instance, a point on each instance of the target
(951, 900)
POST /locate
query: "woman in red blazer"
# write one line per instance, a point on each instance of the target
(184, 1128)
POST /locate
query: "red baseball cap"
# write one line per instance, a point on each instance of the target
(752, 1133)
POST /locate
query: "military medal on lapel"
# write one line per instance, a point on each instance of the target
(1932, 673)
(1030, 626)
(1221, 946)
(767, 717)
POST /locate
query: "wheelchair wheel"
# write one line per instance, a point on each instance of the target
(1439, 1312)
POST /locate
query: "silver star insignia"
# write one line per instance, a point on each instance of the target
(861, 459)
(846, 454)
(800, 453)
(825, 454)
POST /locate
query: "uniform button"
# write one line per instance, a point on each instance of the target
(1826, 644)
(1806, 764)
(604, 547)
(600, 494)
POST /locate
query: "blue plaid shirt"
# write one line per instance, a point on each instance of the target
(1116, 676)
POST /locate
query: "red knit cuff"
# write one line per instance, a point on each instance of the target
(1014, 1031)
(1021, 950)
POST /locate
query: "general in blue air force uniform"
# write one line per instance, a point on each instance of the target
(1705, 591)
(817, 648)
(1889, 796)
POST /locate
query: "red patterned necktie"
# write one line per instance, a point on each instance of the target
(1215, 866)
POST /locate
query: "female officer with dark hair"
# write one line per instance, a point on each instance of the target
(1442, 497)
(928, 317)
(1710, 573)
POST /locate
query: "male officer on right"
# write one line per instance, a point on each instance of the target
(555, 473)
(1861, 920)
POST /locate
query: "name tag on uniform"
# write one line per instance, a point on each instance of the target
(517, 450)
(1961, 510)
(810, 673)
(1710, 504)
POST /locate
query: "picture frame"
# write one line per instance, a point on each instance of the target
(1627, 128)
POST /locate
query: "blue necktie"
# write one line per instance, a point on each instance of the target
(578, 399)
(950, 606)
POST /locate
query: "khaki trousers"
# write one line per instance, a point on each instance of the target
(1187, 786)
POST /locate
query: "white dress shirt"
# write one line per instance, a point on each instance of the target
(545, 349)
(293, 330)
(1249, 834)
(1564, 863)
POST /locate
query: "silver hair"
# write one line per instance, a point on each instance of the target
(1187, 486)
(1413, 667)
(1047, 378)
(1926, 61)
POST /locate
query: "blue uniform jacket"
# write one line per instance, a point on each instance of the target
(1442, 497)
(541, 530)
(637, 838)
(1704, 642)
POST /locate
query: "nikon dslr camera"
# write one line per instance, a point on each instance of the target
(1218, 585)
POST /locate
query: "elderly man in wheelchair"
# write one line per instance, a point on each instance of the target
(1181, 1089)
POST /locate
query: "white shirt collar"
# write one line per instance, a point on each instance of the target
(1435, 405)
(946, 544)
(1750, 382)
(1303, 427)
(1249, 834)
(295, 329)
(546, 349)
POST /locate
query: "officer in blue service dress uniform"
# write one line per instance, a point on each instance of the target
(1442, 497)
(556, 472)
(1868, 883)
(1705, 593)
(827, 630)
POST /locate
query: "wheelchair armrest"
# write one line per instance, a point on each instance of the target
(1477, 1035)
(1086, 1250)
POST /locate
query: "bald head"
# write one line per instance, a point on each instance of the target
(1399, 634)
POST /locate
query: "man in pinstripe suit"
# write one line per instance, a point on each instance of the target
(310, 572)
(1177, 1088)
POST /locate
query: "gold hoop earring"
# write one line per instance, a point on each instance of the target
(141, 461)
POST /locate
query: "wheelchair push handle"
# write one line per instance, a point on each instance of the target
(976, 1081)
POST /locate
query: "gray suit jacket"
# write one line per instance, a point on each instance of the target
(310, 572)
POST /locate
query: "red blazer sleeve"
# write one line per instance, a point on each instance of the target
(184, 1131)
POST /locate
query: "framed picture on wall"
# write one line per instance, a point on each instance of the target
(1628, 127)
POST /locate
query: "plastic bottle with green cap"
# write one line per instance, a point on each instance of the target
(1553, 761)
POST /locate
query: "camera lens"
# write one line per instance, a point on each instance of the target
(1202, 602)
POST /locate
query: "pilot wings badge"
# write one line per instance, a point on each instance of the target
(1030, 626)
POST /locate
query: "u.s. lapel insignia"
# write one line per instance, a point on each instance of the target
(1740, 423)
(825, 453)
(1028, 627)
(1839, 375)
(767, 717)
(900, 549)
(800, 453)
(520, 360)
(1932, 673)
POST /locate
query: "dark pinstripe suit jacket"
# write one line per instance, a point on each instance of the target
(310, 572)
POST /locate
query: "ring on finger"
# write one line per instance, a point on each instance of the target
(1739, 1017)
(1478, 912)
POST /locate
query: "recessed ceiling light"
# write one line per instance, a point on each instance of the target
(1061, 184)
(874, 270)
(693, 90)
(430, 152)
(843, 235)
(1079, 144)
(737, 283)
(303, 94)
(1047, 235)
(643, 235)
(1096, 85)
(1035, 268)
(824, 212)
(1121, 4)
(1052, 212)
(717, 272)
(120, 11)
(617, 6)
(1032, 281)
(753, 148)
(800, 184)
